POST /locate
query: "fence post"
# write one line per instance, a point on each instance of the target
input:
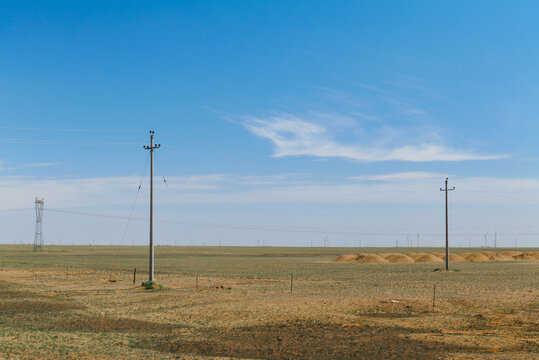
(134, 276)
(197, 282)
(434, 297)
(291, 282)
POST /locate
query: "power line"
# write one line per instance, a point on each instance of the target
(135, 201)
(72, 130)
(310, 230)
(178, 211)
(13, 210)
(501, 197)
(62, 142)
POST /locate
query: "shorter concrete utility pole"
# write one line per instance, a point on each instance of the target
(446, 224)
(151, 148)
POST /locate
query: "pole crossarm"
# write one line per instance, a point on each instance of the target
(446, 189)
(151, 147)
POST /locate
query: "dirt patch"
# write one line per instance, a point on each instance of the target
(106, 323)
(312, 340)
(34, 307)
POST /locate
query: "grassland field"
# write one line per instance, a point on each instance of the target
(79, 302)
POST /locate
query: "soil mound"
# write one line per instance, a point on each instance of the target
(435, 257)
(476, 257)
(397, 258)
(428, 258)
(454, 258)
(528, 256)
(414, 255)
(500, 257)
(347, 258)
(370, 259)
(488, 253)
(510, 253)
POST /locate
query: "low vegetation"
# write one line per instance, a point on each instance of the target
(265, 303)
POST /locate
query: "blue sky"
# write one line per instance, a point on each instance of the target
(276, 118)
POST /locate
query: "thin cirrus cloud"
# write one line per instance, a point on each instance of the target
(295, 136)
(401, 176)
(28, 166)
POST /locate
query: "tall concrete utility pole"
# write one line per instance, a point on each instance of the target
(446, 224)
(151, 148)
(38, 235)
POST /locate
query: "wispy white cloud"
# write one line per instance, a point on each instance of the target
(405, 107)
(290, 178)
(37, 165)
(28, 166)
(116, 194)
(94, 192)
(401, 176)
(294, 136)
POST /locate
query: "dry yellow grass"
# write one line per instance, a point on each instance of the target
(243, 307)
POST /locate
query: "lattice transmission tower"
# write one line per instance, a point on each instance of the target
(38, 236)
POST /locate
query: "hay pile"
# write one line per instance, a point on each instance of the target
(396, 258)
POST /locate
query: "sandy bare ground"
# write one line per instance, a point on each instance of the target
(66, 307)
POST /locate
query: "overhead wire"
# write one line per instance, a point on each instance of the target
(281, 228)
(135, 201)
(71, 130)
(178, 210)
(18, 209)
(194, 152)
(501, 197)
(61, 142)
(480, 192)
